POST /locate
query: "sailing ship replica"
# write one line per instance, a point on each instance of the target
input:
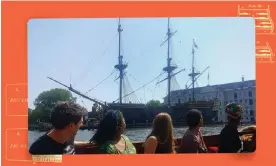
(136, 114)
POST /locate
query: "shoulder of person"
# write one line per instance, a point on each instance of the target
(232, 129)
(152, 140)
(224, 129)
(40, 140)
(125, 137)
(190, 138)
(106, 148)
(127, 140)
(189, 135)
(38, 147)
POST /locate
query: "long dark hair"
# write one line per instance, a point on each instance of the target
(108, 127)
(163, 130)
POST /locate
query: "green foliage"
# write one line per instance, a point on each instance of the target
(34, 116)
(153, 103)
(48, 99)
(45, 102)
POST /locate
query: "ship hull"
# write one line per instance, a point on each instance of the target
(137, 116)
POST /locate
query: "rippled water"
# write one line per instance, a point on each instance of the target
(133, 134)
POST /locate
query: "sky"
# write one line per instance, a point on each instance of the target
(83, 52)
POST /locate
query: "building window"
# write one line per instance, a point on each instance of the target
(250, 94)
(240, 102)
(250, 102)
(245, 101)
(240, 94)
(235, 95)
(251, 113)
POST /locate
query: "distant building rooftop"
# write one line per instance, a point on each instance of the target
(233, 85)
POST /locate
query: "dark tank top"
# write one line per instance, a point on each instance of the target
(162, 148)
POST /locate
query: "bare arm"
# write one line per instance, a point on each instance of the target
(150, 145)
(80, 142)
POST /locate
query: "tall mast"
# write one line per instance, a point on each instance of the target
(120, 66)
(169, 63)
(169, 68)
(193, 74)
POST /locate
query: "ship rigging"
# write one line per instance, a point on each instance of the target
(122, 66)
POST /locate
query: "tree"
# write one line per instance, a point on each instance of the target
(46, 101)
(30, 110)
(34, 116)
(153, 103)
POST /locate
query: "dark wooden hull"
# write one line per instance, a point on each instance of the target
(138, 115)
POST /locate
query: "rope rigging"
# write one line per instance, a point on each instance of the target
(85, 72)
(101, 82)
(175, 84)
(142, 86)
(128, 89)
(155, 87)
(139, 82)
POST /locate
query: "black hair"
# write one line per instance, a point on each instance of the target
(66, 112)
(107, 127)
(193, 118)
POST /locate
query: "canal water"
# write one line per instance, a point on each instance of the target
(139, 134)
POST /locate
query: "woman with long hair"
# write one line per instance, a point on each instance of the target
(109, 135)
(160, 140)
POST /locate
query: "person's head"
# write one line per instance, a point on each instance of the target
(67, 117)
(163, 129)
(234, 113)
(194, 119)
(110, 128)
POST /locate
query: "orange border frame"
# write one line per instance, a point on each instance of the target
(15, 16)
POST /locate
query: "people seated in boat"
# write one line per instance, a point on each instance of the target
(160, 140)
(109, 135)
(230, 141)
(66, 119)
(192, 141)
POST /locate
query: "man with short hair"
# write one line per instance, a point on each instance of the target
(192, 141)
(66, 118)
